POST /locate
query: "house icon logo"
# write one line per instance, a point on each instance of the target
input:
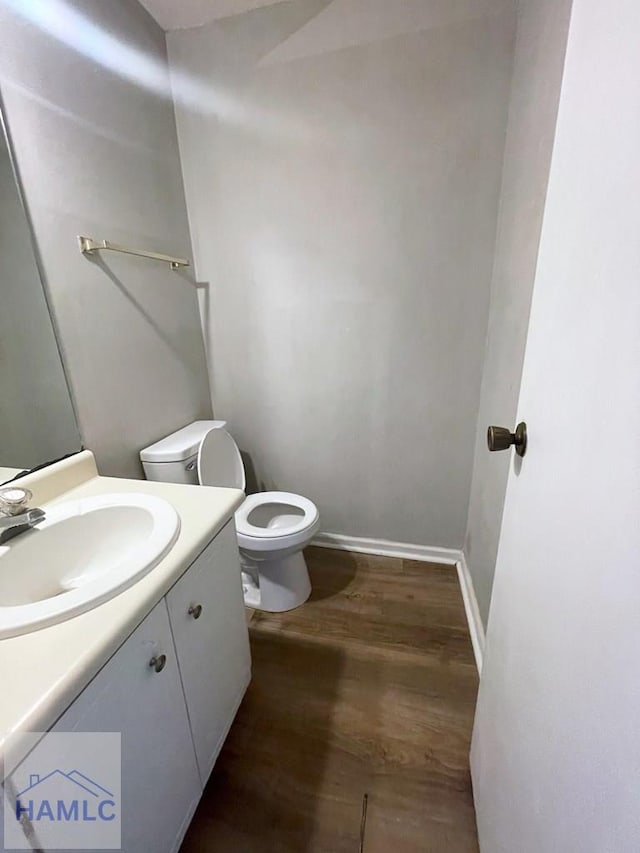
(64, 797)
(63, 791)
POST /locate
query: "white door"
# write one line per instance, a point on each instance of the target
(556, 747)
(206, 609)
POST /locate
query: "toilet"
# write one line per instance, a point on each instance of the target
(273, 528)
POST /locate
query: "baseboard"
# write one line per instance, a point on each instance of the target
(423, 553)
(474, 620)
(386, 548)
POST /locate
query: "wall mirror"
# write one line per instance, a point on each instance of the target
(37, 419)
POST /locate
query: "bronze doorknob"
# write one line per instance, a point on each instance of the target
(499, 438)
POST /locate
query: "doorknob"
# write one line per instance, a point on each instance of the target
(499, 438)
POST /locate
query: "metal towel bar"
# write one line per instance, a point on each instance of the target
(89, 246)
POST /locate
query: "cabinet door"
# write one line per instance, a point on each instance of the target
(206, 609)
(160, 781)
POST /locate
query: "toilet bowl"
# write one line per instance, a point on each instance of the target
(272, 528)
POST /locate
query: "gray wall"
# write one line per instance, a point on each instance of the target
(98, 155)
(539, 59)
(343, 204)
(37, 422)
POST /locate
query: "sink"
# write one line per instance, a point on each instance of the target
(82, 554)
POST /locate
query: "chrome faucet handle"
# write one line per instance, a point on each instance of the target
(14, 500)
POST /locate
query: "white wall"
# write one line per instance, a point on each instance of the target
(539, 58)
(37, 422)
(343, 204)
(98, 155)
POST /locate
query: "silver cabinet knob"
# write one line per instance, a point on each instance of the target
(195, 610)
(158, 662)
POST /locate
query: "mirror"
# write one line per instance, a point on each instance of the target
(37, 419)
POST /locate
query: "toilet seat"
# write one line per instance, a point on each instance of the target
(267, 521)
(264, 516)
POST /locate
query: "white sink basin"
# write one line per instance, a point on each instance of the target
(81, 555)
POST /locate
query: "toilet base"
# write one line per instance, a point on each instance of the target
(275, 585)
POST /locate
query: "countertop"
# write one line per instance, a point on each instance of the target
(41, 673)
(8, 474)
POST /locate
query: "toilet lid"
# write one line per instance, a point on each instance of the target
(219, 461)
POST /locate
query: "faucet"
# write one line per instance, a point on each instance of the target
(15, 515)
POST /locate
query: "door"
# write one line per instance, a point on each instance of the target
(160, 782)
(556, 746)
(206, 609)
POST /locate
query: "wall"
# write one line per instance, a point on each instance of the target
(342, 170)
(539, 58)
(98, 155)
(37, 422)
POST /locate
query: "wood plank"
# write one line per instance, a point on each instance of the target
(369, 687)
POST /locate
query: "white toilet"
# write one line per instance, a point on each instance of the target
(272, 527)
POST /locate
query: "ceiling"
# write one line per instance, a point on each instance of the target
(182, 14)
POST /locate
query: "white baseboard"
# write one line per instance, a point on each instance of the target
(423, 553)
(474, 620)
(385, 548)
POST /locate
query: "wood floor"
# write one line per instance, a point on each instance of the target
(369, 688)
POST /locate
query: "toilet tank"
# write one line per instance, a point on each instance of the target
(174, 459)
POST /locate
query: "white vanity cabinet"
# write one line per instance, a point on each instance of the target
(172, 690)
(160, 782)
(206, 610)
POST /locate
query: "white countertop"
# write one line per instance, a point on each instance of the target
(41, 673)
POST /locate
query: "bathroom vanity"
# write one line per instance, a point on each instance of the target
(165, 663)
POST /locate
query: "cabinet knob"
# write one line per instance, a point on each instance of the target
(195, 610)
(158, 662)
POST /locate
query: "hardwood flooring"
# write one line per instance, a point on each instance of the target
(369, 688)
